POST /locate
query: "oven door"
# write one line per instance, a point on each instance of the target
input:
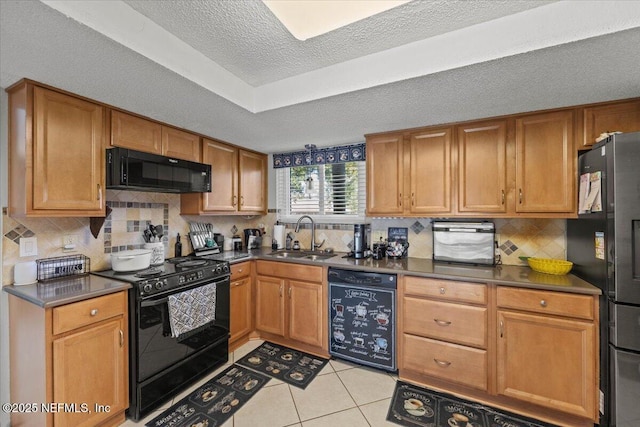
(157, 349)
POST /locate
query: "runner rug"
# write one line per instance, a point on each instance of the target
(291, 366)
(214, 402)
(415, 406)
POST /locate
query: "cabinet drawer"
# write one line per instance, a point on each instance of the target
(289, 270)
(549, 302)
(72, 316)
(475, 293)
(240, 270)
(463, 324)
(451, 362)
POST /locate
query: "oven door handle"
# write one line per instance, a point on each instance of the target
(154, 302)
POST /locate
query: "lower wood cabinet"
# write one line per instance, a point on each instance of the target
(291, 305)
(75, 354)
(559, 353)
(529, 351)
(241, 321)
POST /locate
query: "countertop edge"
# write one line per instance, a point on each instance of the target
(30, 292)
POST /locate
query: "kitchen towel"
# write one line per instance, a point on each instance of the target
(279, 235)
(192, 309)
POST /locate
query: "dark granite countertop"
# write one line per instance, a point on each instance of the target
(509, 275)
(65, 291)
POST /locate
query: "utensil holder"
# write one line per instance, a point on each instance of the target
(157, 252)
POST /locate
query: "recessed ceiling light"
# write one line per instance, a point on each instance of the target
(309, 18)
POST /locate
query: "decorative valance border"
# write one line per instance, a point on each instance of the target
(320, 156)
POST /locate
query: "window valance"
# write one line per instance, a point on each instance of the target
(320, 156)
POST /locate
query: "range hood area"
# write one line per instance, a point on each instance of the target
(134, 170)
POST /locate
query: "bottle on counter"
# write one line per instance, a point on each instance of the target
(288, 242)
(178, 247)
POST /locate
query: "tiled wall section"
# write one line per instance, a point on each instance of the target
(119, 230)
(133, 210)
(544, 238)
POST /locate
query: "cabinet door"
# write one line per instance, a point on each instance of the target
(385, 180)
(622, 117)
(430, 172)
(136, 133)
(482, 167)
(253, 182)
(240, 322)
(545, 163)
(68, 158)
(224, 177)
(180, 144)
(90, 367)
(548, 361)
(306, 312)
(270, 313)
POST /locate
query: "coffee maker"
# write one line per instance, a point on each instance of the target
(361, 237)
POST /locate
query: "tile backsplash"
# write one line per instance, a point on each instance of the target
(133, 211)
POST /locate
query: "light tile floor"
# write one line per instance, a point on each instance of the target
(343, 394)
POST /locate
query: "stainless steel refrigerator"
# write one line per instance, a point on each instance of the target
(604, 245)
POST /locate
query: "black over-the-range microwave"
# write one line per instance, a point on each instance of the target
(135, 170)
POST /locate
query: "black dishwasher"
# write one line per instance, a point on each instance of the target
(362, 322)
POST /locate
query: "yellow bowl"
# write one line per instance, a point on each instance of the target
(550, 266)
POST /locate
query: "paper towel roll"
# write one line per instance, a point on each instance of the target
(279, 235)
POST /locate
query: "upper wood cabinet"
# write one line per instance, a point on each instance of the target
(385, 174)
(409, 174)
(482, 167)
(545, 163)
(238, 182)
(136, 133)
(621, 116)
(56, 153)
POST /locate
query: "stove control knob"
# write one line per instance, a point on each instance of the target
(225, 268)
(218, 269)
(158, 285)
(147, 288)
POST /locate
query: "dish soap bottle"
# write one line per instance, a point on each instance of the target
(178, 247)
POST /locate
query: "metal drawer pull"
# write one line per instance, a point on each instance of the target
(442, 363)
(442, 322)
(501, 329)
(503, 197)
(400, 198)
(520, 195)
(442, 291)
(93, 312)
(543, 303)
(121, 338)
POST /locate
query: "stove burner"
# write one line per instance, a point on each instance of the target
(178, 260)
(191, 263)
(151, 272)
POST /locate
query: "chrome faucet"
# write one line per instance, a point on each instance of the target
(313, 231)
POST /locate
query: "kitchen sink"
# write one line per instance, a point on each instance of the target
(313, 256)
(287, 254)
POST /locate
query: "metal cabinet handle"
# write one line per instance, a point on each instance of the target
(520, 195)
(400, 199)
(99, 192)
(280, 290)
(442, 291)
(121, 338)
(502, 197)
(543, 303)
(501, 329)
(413, 199)
(289, 292)
(442, 322)
(442, 363)
(241, 200)
(234, 201)
(93, 312)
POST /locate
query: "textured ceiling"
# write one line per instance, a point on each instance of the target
(39, 42)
